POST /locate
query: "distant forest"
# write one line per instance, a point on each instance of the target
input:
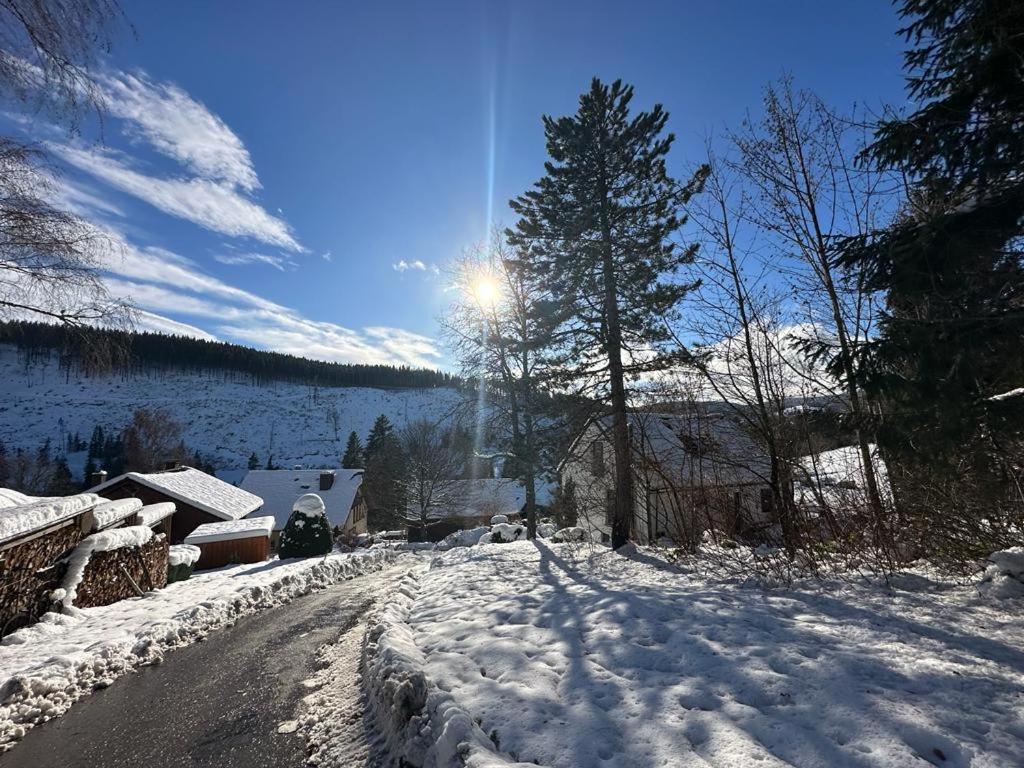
(91, 350)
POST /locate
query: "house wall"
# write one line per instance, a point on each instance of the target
(29, 574)
(680, 510)
(355, 523)
(104, 582)
(216, 554)
(185, 519)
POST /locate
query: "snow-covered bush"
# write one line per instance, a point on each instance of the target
(1004, 577)
(570, 534)
(546, 530)
(180, 560)
(460, 539)
(499, 519)
(307, 532)
(504, 533)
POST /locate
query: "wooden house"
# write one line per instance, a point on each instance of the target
(232, 541)
(199, 498)
(340, 490)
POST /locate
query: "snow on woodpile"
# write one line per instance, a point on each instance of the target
(151, 514)
(45, 668)
(104, 541)
(230, 530)
(197, 489)
(107, 513)
(30, 514)
(623, 661)
(183, 554)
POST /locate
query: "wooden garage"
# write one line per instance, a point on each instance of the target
(232, 541)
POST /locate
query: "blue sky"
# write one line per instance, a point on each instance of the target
(296, 175)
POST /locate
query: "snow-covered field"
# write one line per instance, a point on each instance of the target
(45, 668)
(566, 655)
(225, 418)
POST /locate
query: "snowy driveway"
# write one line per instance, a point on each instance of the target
(219, 702)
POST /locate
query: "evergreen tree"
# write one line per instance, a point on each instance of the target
(951, 266)
(381, 431)
(354, 456)
(254, 461)
(307, 532)
(96, 442)
(270, 462)
(597, 227)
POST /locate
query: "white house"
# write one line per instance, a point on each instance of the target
(340, 490)
(691, 472)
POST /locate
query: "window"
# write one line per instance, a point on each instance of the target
(597, 458)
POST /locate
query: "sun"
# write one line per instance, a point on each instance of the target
(485, 291)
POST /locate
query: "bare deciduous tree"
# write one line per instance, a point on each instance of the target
(433, 464)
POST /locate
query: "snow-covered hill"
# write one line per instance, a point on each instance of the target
(226, 416)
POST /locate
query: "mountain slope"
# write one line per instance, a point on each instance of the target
(226, 415)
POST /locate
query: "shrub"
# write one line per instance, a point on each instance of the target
(307, 532)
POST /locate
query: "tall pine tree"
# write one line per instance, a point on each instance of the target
(353, 452)
(951, 266)
(597, 226)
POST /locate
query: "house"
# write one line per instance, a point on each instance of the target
(469, 504)
(692, 472)
(833, 482)
(340, 489)
(246, 540)
(199, 498)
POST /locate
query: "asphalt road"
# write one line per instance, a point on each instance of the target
(217, 703)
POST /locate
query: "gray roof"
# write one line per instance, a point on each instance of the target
(280, 488)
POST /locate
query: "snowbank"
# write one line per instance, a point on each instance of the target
(466, 538)
(504, 533)
(619, 661)
(574, 533)
(421, 724)
(546, 530)
(45, 668)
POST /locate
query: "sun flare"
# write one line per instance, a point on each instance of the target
(485, 291)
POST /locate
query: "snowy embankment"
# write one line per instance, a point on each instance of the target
(567, 655)
(45, 668)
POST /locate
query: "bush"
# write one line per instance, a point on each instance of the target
(307, 532)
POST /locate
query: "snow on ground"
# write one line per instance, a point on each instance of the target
(45, 668)
(569, 655)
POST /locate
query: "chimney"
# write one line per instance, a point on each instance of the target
(326, 479)
(97, 478)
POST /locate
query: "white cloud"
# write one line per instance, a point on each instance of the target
(403, 265)
(276, 261)
(327, 256)
(210, 204)
(159, 282)
(181, 128)
(149, 321)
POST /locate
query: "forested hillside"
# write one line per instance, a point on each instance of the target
(82, 348)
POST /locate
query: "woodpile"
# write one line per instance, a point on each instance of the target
(29, 574)
(115, 575)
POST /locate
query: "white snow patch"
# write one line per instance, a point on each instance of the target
(109, 512)
(464, 538)
(25, 514)
(496, 519)
(183, 554)
(1004, 578)
(309, 505)
(619, 661)
(151, 514)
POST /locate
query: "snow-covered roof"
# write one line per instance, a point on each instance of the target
(483, 497)
(836, 478)
(280, 488)
(196, 488)
(21, 515)
(151, 514)
(108, 513)
(708, 445)
(231, 529)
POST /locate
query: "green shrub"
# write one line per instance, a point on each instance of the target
(307, 532)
